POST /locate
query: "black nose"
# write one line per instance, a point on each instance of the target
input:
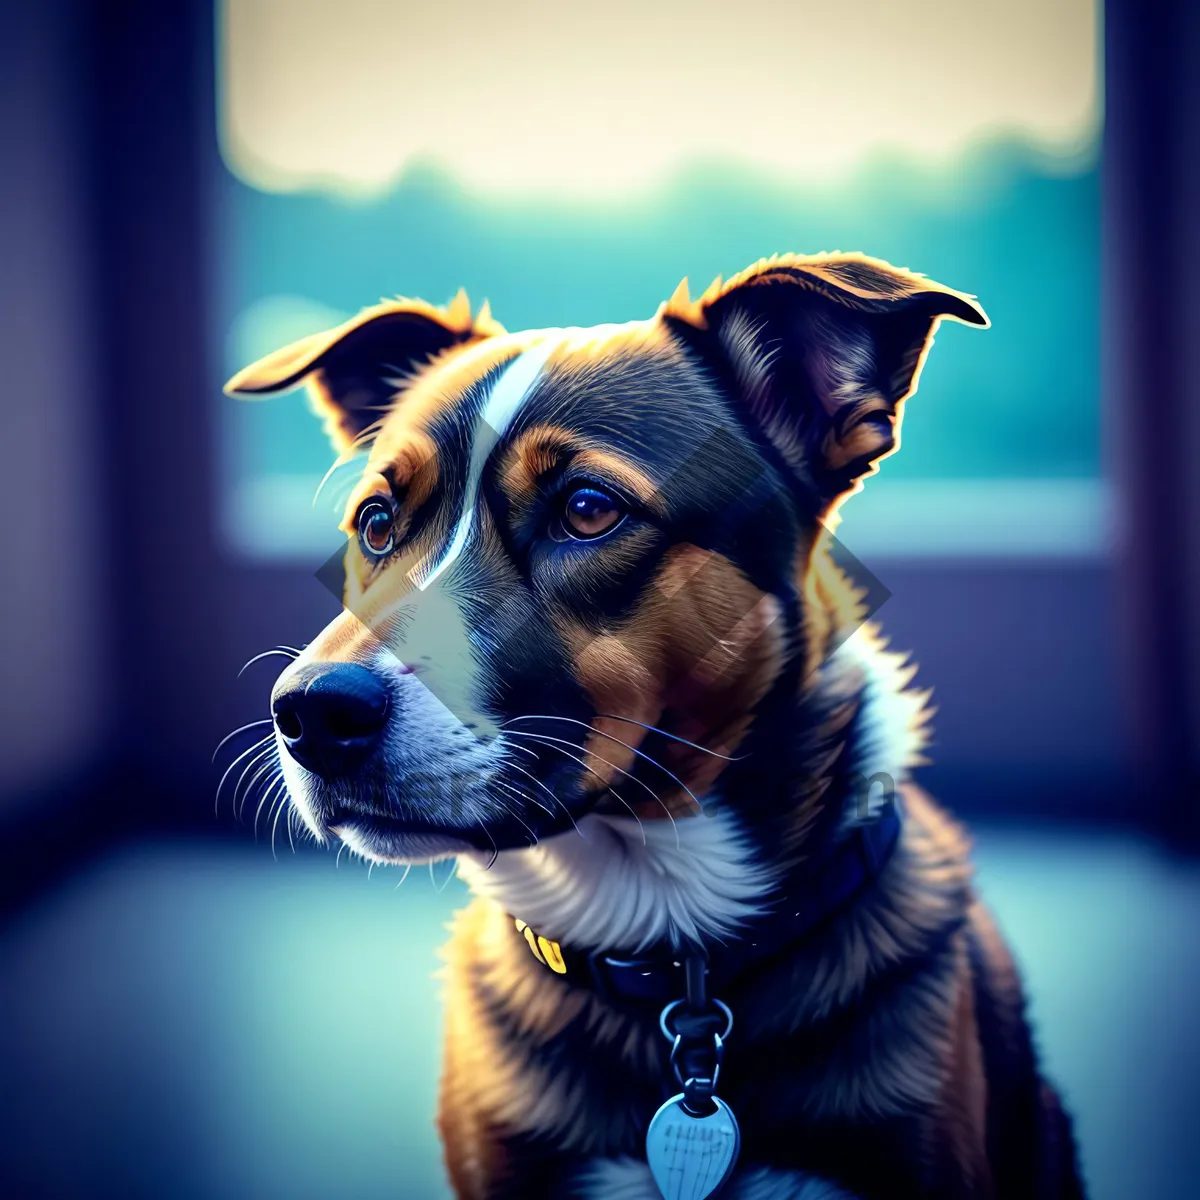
(330, 715)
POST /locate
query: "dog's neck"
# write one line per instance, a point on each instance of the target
(815, 769)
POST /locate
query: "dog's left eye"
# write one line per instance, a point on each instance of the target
(376, 529)
(590, 513)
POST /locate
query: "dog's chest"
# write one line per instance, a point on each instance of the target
(560, 1069)
(621, 885)
(628, 1179)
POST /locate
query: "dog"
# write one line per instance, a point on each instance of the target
(595, 646)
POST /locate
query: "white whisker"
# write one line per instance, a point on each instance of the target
(495, 848)
(283, 802)
(281, 651)
(240, 729)
(251, 750)
(610, 737)
(548, 792)
(672, 736)
(263, 799)
(265, 764)
(560, 742)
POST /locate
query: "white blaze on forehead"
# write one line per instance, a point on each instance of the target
(503, 404)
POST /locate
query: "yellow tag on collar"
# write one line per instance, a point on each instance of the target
(548, 953)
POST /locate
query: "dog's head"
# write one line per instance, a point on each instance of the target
(581, 562)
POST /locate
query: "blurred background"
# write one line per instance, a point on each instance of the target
(189, 1010)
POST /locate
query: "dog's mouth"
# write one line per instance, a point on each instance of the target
(388, 839)
(485, 823)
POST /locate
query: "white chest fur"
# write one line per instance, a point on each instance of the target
(606, 888)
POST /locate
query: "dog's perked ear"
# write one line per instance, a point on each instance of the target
(355, 371)
(820, 352)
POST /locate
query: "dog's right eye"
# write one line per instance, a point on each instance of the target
(590, 513)
(376, 529)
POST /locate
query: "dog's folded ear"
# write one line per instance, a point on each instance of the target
(355, 371)
(819, 353)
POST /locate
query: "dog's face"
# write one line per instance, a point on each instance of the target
(578, 561)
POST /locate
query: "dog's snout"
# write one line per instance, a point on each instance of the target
(331, 716)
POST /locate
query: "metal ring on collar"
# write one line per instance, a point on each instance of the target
(668, 1012)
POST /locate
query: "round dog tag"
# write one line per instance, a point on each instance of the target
(691, 1157)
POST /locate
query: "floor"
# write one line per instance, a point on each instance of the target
(202, 1021)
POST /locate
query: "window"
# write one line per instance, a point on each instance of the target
(571, 171)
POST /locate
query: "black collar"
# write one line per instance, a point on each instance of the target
(657, 976)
